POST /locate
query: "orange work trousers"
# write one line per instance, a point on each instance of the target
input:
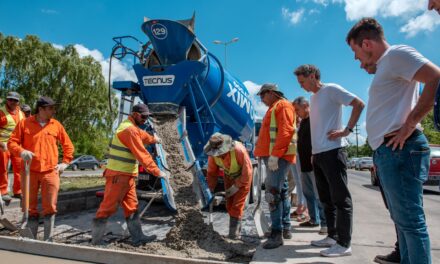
(235, 204)
(49, 182)
(119, 190)
(4, 179)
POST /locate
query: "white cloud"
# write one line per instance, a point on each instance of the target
(294, 17)
(352, 139)
(314, 11)
(428, 21)
(259, 107)
(120, 70)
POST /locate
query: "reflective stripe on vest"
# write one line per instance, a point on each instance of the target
(235, 170)
(120, 157)
(6, 131)
(273, 134)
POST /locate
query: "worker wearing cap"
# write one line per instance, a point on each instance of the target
(10, 116)
(26, 109)
(276, 147)
(126, 151)
(232, 157)
(36, 139)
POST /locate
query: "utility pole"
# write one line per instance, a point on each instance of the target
(356, 131)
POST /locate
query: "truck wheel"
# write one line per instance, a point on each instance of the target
(95, 167)
(374, 179)
(254, 186)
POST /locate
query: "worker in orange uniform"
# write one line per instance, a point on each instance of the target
(232, 157)
(36, 138)
(26, 109)
(10, 116)
(126, 149)
(276, 147)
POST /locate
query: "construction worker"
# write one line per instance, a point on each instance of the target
(232, 157)
(277, 148)
(10, 116)
(126, 149)
(26, 109)
(36, 138)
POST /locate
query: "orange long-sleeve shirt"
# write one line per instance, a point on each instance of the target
(42, 141)
(15, 116)
(243, 160)
(285, 116)
(135, 138)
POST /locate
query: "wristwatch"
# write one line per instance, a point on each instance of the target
(349, 129)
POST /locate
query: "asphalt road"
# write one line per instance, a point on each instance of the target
(373, 230)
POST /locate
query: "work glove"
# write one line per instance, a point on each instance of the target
(3, 146)
(26, 155)
(273, 163)
(231, 191)
(61, 167)
(157, 139)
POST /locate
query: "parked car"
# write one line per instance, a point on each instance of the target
(364, 163)
(434, 168)
(84, 162)
(352, 162)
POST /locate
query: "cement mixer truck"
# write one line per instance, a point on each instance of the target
(176, 74)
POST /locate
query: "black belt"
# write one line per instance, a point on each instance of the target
(414, 134)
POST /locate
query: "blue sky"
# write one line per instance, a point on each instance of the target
(275, 36)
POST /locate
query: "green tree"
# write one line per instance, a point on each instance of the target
(34, 68)
(431, 134)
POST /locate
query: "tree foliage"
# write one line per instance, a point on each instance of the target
(34, 68)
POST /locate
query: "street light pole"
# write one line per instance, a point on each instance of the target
(225, 43)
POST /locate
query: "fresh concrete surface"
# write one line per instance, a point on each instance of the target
(373, 230)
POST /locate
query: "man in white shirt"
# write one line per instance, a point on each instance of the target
(394, 112)
(330, 157)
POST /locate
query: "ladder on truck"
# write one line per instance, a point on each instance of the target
(126, 100)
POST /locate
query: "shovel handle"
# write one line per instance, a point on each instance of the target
(27, 172)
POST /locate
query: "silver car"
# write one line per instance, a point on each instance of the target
(364, 163)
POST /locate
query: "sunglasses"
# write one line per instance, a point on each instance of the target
(144, 116)
(12, 100)
(262, 95)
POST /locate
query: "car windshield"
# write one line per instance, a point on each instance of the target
(435, 152)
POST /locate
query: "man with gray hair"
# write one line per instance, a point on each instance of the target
(330, 156)
(316, 211)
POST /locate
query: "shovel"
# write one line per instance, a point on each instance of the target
(5, 222)
(25, 231)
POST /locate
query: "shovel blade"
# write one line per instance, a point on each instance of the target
(8, 225)
(26, 232)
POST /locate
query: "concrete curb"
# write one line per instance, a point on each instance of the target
(89, 254)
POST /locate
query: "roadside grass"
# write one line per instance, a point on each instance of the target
(80, 183)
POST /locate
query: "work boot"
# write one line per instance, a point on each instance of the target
(234, 228)
(49, 225)
(287, 234)
(393, 257)
(98, 230)
(33, 225)
(275, 240)
(134, 227)
(6, 198)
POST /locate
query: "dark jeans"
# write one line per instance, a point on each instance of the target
(331, 180)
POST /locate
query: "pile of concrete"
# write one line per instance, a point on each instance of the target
(190, 236)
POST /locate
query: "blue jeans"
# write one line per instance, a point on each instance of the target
(316, 210)
(277, 195)
(295, 169)
(402, 173)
